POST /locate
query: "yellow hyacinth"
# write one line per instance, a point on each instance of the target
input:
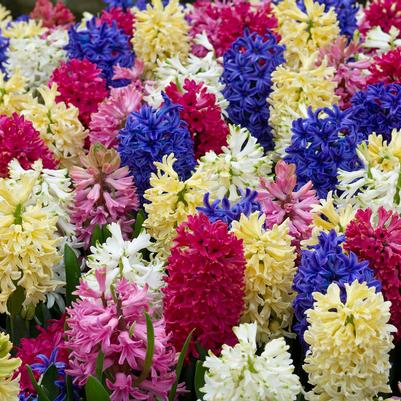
(24, 29)
(28, 244)
(58, 125)
(160, 33)
(9, 386)
(304, 32)
(269, 276)
(171, 201)
(292, 90)
(348, 358)
(5, 17)
(13, 95)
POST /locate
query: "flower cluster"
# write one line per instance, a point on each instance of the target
(9, 387)
(248, 66)
(123, 18)
(52, 15)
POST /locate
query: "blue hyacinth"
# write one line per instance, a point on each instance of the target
(225, 211)
(4, 43)
(346, 11)
(104, 45)
(149, 135)
(376, 109)
(320, 146)
(140, 4)
(248, 66)
(324, 264)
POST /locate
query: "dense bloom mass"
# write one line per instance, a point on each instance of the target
(123, 18)
(349, 341)
(52, 15)
(270, 270)
(271, 377)
(204, 258)
(116, 326)
(323, 264)
(378, 240)
(149, 135)
(105, 192)
(9, 387)
(80, 84)
(199, 109)
(248, 66)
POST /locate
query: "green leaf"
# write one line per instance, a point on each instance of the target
(41, 393)
(97, 236)
(140, 218)
(180, 364)
(199, 379)
(300, 397)
(15, 301)
(47, 382)
(105, 233)
(202, 351)
(95, 390)
(149, 351)
(99, 365)
(70, 389)
(72, 273)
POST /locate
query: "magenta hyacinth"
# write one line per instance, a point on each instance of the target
(104, 192)
(116, 326)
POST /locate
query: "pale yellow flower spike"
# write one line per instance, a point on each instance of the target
(160, 33)
(170, 202)
(5, 17)
(13, 95)
(9, 386)
(304, 32)
(270, 271)
(24, 29)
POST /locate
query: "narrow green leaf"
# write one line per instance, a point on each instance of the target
(72, 273)
(47, 382)
(95, 390)
(180, 364)
(15, 301)
(199, 379)
(105, 233)
(202, 351)
(41, 393)
(149, 351)
(99, 366)
(70, 389)
(140, 218)
(97, 236)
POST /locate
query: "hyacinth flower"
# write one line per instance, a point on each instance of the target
(241, 373)
(224, 211)
(225, 22)
(248, 66)
(375, 110)
(104, 45)
(115, 325)
(79, 83)
(280, 201)
(319, 148)
(203, 116)
(350, 340)
(377, 239)
(4, 43)
(149, 135)
(47, 345)
(322, 265)
(269, 275)
(121, 16)
(385, 14)
(19, 140)
(9, 387)
(205, 284)
(345, 10)
(104, 193)
(52, 15)
(349, 73)
(28, 246)
(160, 33)
(386, 68)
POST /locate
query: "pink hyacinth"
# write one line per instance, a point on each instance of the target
(279, 201)
(80, 84)
(123, 19)
(51, 15)
(349, 74)
(203, 115)
(115, 324)
(104, 192)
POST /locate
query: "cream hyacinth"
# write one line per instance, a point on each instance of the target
(348, 358)
(269, 275)
(9, 386)
(239, 374)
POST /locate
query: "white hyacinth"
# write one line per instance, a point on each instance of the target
(241, 375)
(382, 41)
(123, 259)
(237, 167)
(199, 69)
